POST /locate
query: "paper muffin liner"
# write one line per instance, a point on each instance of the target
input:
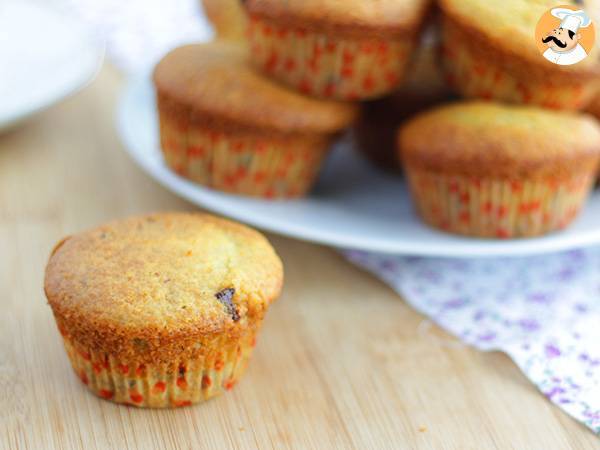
(326, 66)
(242, 164)
(181, 383)
(497, 208)
(472, 72)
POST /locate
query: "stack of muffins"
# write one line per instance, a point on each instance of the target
(507, 155)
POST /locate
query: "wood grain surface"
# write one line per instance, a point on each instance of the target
(342, 362)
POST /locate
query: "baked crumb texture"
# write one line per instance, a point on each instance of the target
(162, 310)
(499, 171)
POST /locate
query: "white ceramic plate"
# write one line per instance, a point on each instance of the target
(353, 205)
(43, 58)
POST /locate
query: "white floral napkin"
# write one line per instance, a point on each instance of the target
(544, 312)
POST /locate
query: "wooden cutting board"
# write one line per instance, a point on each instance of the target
(342, 362)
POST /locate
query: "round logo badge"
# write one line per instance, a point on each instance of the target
(565, 35)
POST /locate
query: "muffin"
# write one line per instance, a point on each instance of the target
(499, 171)
(228, 18)
(490, 53)
(225, 126)
(356, 49)
(375, 130)
(162, 310)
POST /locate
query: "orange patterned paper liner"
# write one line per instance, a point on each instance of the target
(261, 167)
(329, 67)
(160, 386)
(497, 208)
(475, 75)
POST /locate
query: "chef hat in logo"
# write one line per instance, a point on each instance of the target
(572, 20)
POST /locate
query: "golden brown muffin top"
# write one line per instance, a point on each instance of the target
(510, 26)
(216, 81)
(488, 139)
(356, 17)
(228, 17)
(159, 277)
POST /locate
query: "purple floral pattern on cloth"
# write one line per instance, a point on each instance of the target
(544, 312)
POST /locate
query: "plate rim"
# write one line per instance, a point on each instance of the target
(98, 45)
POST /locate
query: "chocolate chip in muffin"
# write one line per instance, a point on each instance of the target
(226, 298)
(140, 344)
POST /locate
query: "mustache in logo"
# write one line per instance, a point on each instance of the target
(556, 41)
